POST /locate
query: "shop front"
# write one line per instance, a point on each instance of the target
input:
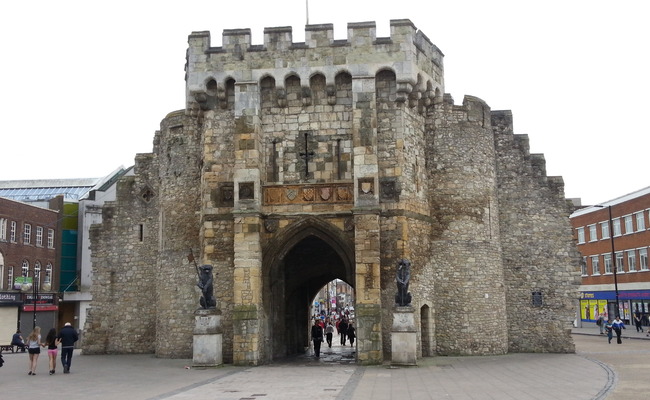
(593, 304)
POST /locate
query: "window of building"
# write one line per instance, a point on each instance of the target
(604, 230)
(640, 221)
(48, 275)
(2, 274)
(595, 266)
(629, 227)
(3, 229)
(39, 236)
(593, 236)
(12, 232)
(643, 259)
(616, 223)
(25, 268)
(10, 278)
(619, 262)
(50, 238)
(581, 235)
(583, 266)
(37, 274)
(631, 260)
(27, 233)
(608, 263)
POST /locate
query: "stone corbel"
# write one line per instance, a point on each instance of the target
(404, 88)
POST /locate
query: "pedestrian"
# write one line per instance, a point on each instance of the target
(67, 337)
(17, 340)
(351, 333)
(638, 320)
(600, 321)
(617, 325)
(34, 349)
(317, 337)
(609, 329)
(52, 344)
(343, 328)
(329, 331)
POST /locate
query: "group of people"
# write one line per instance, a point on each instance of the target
(66, 337)
(324, 330)
(610, 327)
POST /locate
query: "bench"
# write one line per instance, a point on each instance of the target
(7, 347)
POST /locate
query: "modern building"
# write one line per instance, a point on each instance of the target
(29, 265)
(78, 203)
(613, 239)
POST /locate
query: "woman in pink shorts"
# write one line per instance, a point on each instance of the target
(52, 344)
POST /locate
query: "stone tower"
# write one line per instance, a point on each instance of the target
(293, 164)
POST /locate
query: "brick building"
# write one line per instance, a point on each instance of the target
(614, 263)
(29, 238)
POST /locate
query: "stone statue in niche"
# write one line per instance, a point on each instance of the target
(205, 284)
(403, 275)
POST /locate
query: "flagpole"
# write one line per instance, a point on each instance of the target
(307, 10)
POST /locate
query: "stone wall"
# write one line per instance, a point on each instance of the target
(297, 163)
(540, 258)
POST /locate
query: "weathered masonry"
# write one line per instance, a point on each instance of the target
(296, 163)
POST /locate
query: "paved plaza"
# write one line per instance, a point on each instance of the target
(597, 371)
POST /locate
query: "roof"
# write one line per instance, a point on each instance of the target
(45, 189)
(618, 200)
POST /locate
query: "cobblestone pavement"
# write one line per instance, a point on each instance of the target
(597, 371)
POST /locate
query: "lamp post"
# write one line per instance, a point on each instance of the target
(614, 264)
(34, 286)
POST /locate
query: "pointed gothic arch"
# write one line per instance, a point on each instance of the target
(297, 263)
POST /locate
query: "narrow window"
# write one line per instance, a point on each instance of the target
(3, 229)
(537, 299)
(593, 236)
(12, 234)
(583, 266)
(48, 275)
(617, 227)
(141, 232)
(608, 263)
(581, 235)
(619, 262)
(643, 259)
(27, 234)
(37, 274)
(595, 267)
(631, 260)
(629, 228)
(39, 236)
(25, 268)
(640, 221)
(604, 230)
(50, 238)
(10, 278)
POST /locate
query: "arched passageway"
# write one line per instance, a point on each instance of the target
(301, 260)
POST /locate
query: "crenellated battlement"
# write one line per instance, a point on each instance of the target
(415, 60)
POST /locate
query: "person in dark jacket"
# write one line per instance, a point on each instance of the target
(68, 336)
(317, 337)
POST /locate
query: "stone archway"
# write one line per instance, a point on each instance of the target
(300, 260)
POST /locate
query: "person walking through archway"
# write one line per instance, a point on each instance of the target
(317, 336)
(343, 330)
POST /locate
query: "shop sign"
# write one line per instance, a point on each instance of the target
(10, 299)
(45, 299)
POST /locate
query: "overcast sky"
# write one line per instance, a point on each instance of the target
(85, 84)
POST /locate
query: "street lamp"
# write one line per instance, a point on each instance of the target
(614, 264)
(25, 287)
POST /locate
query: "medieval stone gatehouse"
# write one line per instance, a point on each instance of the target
(297, 163)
